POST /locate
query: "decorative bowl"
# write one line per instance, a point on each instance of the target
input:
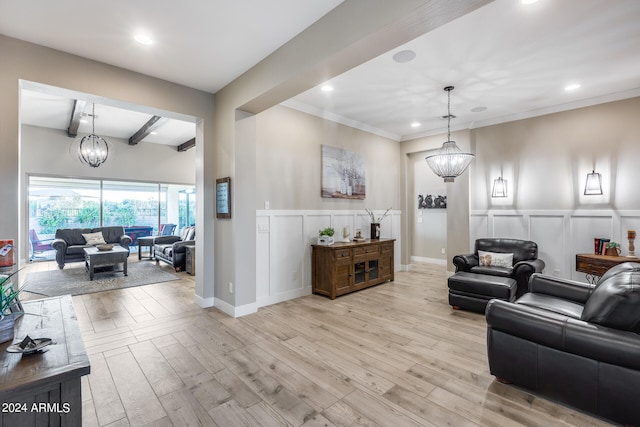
(106, 247)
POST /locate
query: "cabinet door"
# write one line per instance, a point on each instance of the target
(386, 261)
(342, 276)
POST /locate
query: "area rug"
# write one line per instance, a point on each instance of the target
(74, 280)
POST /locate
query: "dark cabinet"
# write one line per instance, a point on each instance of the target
(347, 267)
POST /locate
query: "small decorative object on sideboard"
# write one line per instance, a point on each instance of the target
(375, 222)
(325, 237)
(631, 235)
(612, 249)
(345, 234)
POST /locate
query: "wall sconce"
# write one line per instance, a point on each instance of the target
(499, 188)
(593, 186)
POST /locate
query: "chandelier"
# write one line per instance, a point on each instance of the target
(449, 161)
(93, 149)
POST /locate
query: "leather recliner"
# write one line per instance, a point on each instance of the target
(525, 260)
(573, 342)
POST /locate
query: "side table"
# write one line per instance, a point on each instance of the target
(594, 266)
(190, 259)
(147, 241)
(44, 388)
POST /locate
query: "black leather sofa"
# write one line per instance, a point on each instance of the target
(525, 261)
(69, 242)
(172, 249)
(573, 342)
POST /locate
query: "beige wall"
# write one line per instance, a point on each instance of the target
(546, 159)
(48, 152)
(457, 221)
(289, 173)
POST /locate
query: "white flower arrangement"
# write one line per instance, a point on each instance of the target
(379, 219)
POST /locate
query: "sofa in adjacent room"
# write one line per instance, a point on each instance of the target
(172, 249)
(69, 243)
(573, 342)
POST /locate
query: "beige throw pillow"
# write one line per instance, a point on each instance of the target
(494, 259)
(94, 238)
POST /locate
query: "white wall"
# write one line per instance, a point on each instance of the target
(546, 160)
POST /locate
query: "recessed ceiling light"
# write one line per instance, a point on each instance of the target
(528, 1)
(572, 86)
(327, 88)
(479, 109)
(83, 120)
(415, 125)
(153, 133)
(404, 56)
(143, 39)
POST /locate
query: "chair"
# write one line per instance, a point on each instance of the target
(573, 342)
(493, 258)
(38, 245)
(166, 229)
(172, 249)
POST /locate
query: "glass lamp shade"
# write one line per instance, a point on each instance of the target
(499, 188)
(93, 150)
(593, 186)
(449, 161)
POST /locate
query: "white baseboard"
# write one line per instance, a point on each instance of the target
(437, 261)
(284, 296)
(203, 302)
(232, 311)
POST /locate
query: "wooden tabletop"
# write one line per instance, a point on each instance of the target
(63, 359)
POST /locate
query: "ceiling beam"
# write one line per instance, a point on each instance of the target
(146, 129)
(186, 145)
(76, 115)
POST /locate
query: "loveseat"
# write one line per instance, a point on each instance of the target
(172, 249)
(573, 342)
(69, 243)
(513, 258)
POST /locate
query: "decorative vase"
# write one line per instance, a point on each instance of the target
(375, 231)
(6, 328)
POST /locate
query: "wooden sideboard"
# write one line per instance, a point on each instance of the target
(342, 268)
(596, 265)
(43, 389)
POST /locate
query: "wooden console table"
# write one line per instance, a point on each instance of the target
(43, 389)
(347, 267)
(594, 266)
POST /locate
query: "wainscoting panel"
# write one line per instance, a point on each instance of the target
(560, 235)
(283, 247)
(548, 232)
(286, 254)
(512, 226)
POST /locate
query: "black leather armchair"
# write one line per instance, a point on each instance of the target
(573, 342)
(525, 260)
(172, 249)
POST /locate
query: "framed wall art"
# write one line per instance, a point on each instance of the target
(223, 197)
(343, 174)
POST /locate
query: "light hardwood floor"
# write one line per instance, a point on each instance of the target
(392, 355)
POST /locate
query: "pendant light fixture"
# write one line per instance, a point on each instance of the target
(499, 187)
(593, 186)
(449, 161)
(93, 149)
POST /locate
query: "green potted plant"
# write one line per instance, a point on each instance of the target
(9, 306)
(325, 236)
(613, 249)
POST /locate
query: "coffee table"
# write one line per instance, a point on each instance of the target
(111, 258)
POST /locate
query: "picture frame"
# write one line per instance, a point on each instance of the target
(223, 197)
